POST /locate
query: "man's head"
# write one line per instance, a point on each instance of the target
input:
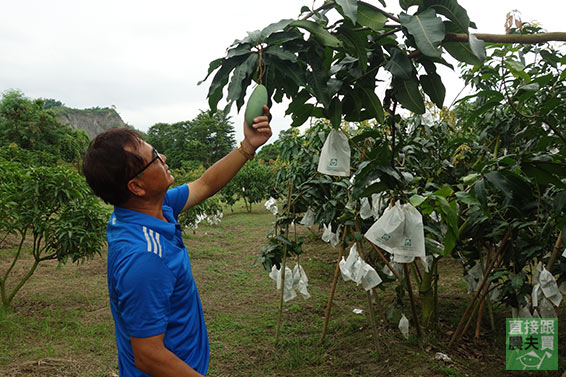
(115, 159)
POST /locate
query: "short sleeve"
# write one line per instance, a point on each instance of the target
(176, 198)
(144, 289)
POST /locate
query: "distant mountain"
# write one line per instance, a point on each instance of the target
(93, 121)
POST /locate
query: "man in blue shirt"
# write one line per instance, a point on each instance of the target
(159, 322)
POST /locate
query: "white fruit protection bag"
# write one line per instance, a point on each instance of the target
(399, 231)
(355, 269)
(295, 279)
(308, 218)
(335, 155)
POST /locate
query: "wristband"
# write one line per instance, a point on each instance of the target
(248, 156)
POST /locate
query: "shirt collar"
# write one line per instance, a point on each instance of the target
(166, 229)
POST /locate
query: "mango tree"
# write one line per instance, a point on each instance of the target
(52, 215)
(329, 62)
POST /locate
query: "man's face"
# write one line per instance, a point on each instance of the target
(155, 174)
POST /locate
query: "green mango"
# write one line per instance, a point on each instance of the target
(257, 100)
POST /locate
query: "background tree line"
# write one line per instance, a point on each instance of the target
(48, 210)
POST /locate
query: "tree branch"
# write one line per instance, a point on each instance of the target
(509, 38)
(323, 6)
(386, 14)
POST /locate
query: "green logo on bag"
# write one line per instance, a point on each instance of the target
(532, 344)
(386, 237)
(333, 163)
(408, 242)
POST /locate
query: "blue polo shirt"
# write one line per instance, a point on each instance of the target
(151, 286)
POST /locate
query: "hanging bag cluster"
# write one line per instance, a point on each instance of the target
(399, 231)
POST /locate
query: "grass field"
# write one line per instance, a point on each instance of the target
(61, 325)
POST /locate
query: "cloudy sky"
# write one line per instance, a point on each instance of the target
(146, 57)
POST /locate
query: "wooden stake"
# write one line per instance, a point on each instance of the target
(412, 300)
(489, 306)
(333, 287)
(382, 257)
(489, 268)
(417, 272)
(280, 317)
(555, 251)
(370, 304)
(482, 297)
(479, 318)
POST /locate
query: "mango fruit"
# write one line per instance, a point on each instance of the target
(257, 100)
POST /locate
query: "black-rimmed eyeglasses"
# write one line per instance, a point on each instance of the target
(156, 156)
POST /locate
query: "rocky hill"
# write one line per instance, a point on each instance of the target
(93, 121)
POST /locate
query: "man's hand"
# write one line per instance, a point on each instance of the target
(259, 132)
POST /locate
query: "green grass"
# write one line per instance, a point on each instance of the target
(62, 319)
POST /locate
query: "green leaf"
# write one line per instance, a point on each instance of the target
(241, 74)
(406, 4)
(550, 57)
(351, 105)
(298, 101)
(462, 51)
(517, 69)
(444, 192)
(284, 240)
(559, 202)
(434, 88)
(450, 240)
(427, 29)
(417, 200)
(470, 178)
(498, 180)
(453, 11)
(544, 173)
(319, 32)
(281, 53)
(211, 68)
(371, 18)
(399, 65)
(373, 104)
(279, 38)
(356, 43)
(221, 79)
(350, 8)
(517, 281)
(408, 95)
(479, 191)
(514, 65)
(317, 79)
(477, 46)
(242, 49)
(301, 114)
(335, 112)
(272, 28)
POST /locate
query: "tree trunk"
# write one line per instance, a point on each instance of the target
(428, 299)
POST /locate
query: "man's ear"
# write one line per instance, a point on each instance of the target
(136, 187)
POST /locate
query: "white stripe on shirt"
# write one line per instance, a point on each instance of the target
(147, 239)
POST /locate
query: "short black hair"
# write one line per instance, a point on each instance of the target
(107, 166)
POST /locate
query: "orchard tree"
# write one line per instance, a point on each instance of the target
(509, 148)
(252, 184)
(51, 209)
(206, 139)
